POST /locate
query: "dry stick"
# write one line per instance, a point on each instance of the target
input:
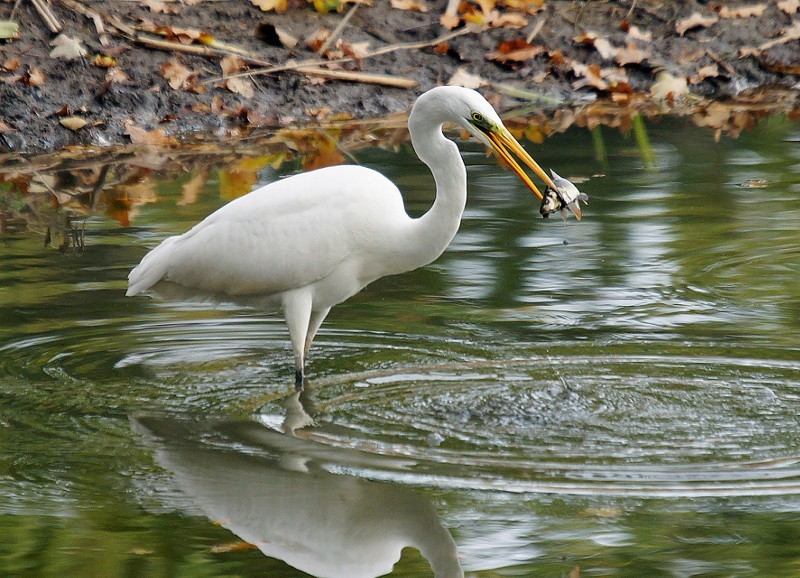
(338, 30)
(721, 62)
(378, 52)
(365, 77)
(49, 19)
(536, 29)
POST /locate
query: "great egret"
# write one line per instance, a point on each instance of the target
(308, 242)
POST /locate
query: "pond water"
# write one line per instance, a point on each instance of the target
(615, 397)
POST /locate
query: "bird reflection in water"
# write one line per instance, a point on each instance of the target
(271, 490)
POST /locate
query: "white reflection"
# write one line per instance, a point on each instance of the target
(269, 489)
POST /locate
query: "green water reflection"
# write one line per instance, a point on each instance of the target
(625, 403)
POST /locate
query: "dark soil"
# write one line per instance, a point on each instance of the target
(28, 110)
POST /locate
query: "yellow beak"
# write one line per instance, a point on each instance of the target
(504, 144)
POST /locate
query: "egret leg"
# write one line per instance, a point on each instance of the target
(317, 317)
(297, 313)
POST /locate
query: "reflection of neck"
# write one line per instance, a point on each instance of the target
(297, 416)
(439, 549)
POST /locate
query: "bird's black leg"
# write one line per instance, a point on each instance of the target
(299, 378)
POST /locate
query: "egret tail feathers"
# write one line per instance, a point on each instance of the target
(152, 269)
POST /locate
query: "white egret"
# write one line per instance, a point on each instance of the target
(306, 243)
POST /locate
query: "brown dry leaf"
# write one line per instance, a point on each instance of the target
(139, 135)
(741, 11)
(239, 179)
(178, 76)
(668, 87)
(696, 20)
(116, 75)
(466, 79)
(317, 39)
(591, 75)
(73, 123)
(4, 127)
(357, 50)
(267, 5)
(161, 7)
(240, 85)
(631, 54)
(708, 71)
(35, 77)
(67, 48)
(413, 5)
(516, 50)
(789, 6)
(327, 154)
(231, 64)
(11, 65)
(191, 188)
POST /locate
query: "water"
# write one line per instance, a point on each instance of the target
(624, 404)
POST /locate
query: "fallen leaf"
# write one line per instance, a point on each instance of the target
(180, 77)
(668, 87)
(139, 135)
(413, 5)
(631, 54)
(317, 39)
(73, 123)
(8, 29)
(240, 85)
(116, 75)
(789, 6)
(325, 6)
(35, 77)
(4, 127)
(508, 20)
(696, 20)
(516, 50)
(67, 48)
(231, 64)
(104, 61)
(11, 65)
(605, 48)
(709, 71)
(466, 79)
(741, 11)
(267, 5)
(356, 50)
(161, 7)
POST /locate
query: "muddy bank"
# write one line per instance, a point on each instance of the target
(154, 70)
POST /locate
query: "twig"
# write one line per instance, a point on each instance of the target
(378, 52)
(48, 17)
(338, 30)
(536, 29)
(14, 9)
(367, 78)
(722, 63)
(631, 9)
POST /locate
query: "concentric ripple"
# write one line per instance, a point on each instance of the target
(621, 425)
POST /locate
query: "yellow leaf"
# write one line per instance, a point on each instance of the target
(73, 123)
(325, 6)
(412, 5)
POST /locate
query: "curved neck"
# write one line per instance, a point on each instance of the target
(434, 230)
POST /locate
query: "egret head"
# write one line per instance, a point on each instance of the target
(471, 111)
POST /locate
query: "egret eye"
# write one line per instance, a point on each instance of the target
(477, 117)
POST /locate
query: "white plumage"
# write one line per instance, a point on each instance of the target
(306, 243)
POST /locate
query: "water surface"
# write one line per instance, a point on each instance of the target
(618, 395)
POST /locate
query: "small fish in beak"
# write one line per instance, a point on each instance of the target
(565, 196)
